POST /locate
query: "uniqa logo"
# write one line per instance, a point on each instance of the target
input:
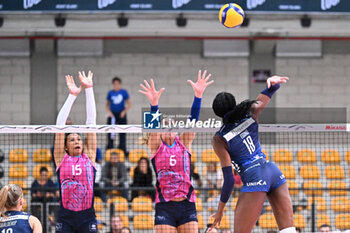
(104, 3)
(327, 4)
(251, 4)
(260, 182)
(29, 3)
(179, 3)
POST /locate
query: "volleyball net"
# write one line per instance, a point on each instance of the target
(315, 159)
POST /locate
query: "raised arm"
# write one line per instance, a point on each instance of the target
(153, 96)
(220, 148)
(91, 139)
(59, 150)
(198, 88)
(273, 84)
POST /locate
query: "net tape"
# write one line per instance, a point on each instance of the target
(140, 129)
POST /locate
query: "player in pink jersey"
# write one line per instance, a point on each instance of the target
(75, 164)
(171, 160)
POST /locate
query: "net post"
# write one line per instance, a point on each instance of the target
(313, 213)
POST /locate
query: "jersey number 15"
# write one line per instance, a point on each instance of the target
(248, 142)
(76, 170)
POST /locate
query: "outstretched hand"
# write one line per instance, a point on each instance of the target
(73, 89)
(86, 81)
(201, 84)
(276, 80)
(150, 92)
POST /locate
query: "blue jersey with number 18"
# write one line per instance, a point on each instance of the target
(243, 142)
(16, 222)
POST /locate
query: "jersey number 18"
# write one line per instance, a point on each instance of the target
(248, 142)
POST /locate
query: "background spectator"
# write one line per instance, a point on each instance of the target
(126, 230)
(42, 183)
(325, 228)
(142, 178)
(298, 230)
(213, 177)
(115, 174)
(39, 195)
(118, 103)
(196, 179)
(116, 224)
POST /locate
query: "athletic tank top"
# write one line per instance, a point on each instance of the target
(76, 177)
(243, 142)
(172, 167)
(16, 222)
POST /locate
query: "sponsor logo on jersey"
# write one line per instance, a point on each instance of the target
(251, 4)
(282, 177)
(30, 3)
(244, 134)
(328, 4)
(260, 182)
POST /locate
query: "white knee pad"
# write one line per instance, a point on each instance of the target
(288, 230)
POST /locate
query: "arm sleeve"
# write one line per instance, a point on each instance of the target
(229, 182)
(196, 108)
(65, 110)
(90, 107)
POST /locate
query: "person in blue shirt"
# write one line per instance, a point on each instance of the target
(117, 105)
(237, 143)
(12, 219)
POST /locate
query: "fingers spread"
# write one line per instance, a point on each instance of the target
(147, 85)
(143, 87)
(208, 77)
(204, 74)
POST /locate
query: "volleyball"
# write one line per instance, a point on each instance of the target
(231, 15)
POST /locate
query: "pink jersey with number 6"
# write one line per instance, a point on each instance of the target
(172, 165)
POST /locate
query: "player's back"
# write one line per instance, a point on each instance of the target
(16, 222)
(243, 142)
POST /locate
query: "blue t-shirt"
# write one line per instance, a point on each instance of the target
(117, 100)
(16, 221)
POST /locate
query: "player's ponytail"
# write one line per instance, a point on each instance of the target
(10, 195)
(143, 140)
(239, 112)
(3, 198)
(224, 106)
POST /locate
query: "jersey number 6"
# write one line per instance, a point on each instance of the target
(172, 160)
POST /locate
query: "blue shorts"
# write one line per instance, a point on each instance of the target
(175, 213)
(76, 222)
(262, 176)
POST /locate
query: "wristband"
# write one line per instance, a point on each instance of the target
(270, 91)
(154, 108)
